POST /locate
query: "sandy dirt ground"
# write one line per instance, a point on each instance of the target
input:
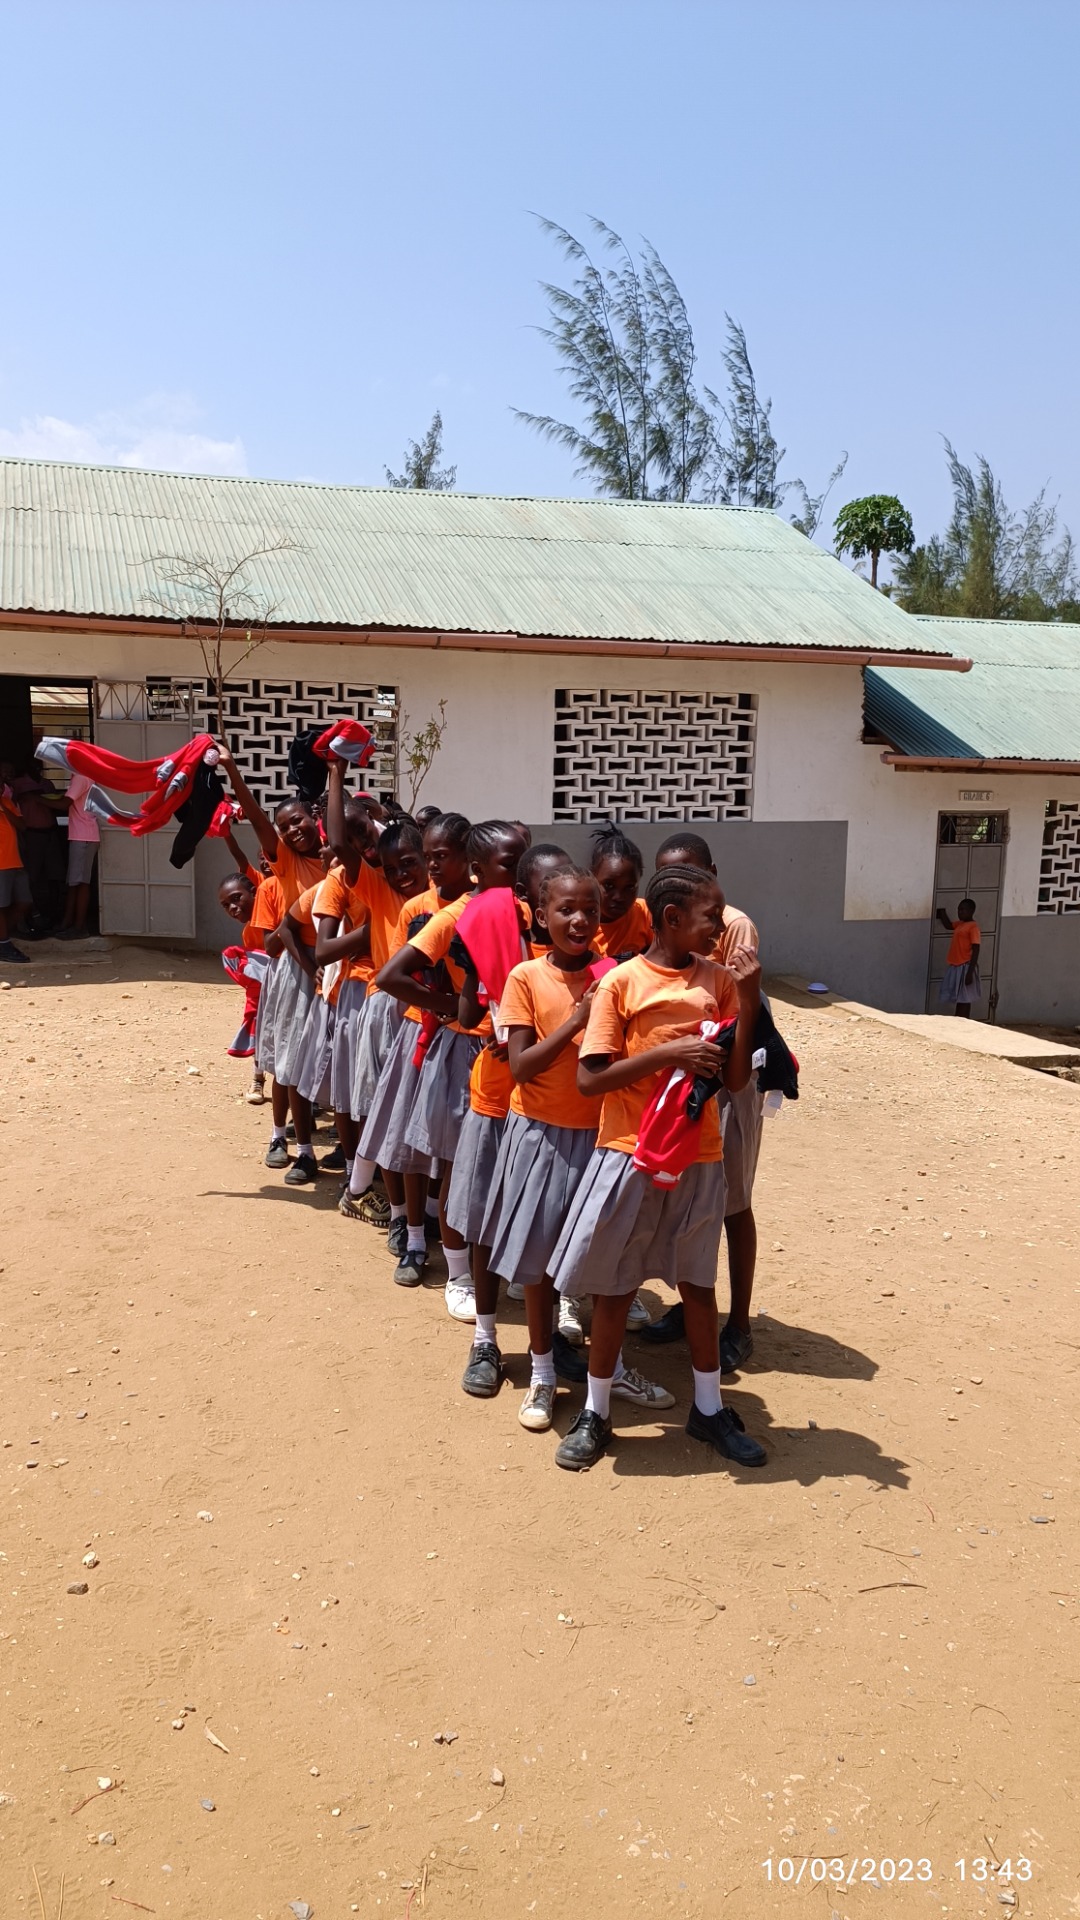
(665, 1679)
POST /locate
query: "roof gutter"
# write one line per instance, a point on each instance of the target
(497, 642)
(925, 763)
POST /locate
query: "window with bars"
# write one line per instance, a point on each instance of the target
(641, 755)
(1059, 871)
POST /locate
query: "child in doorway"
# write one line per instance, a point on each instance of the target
(961, 982)
(14, 885)
(622, 1229)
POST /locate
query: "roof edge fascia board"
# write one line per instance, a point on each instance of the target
(465, 642)
(937, 763)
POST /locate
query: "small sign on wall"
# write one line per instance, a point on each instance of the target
(976, 793)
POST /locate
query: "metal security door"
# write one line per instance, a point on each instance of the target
(970, 864)
(140, 892)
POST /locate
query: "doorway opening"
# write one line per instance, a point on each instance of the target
(970, 863)
(29, 710)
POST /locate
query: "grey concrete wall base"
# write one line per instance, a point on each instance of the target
(1039, 969)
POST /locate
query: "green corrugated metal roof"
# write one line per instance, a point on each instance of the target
(1021, 700)
(83, 540)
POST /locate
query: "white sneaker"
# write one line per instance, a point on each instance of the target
(639, 1316)
(515, 1290)
(536, 1409)
(460, 1300)
(570, 1321)
(633, 1386)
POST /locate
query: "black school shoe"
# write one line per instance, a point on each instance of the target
(333, 1162)
(409, 1271)
(586, 1442)
(483, 1375)
(725, 1432)
(670, 1326)
(304, 1171)
(569, 1363)
(735, 1348)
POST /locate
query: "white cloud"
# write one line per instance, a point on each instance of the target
(156, 432)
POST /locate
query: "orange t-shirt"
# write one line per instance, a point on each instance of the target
(269, 910)
(302, 912)
(296, 871)
(965, 935)
(639, 1006)
(738, 931)
(490, 1085)
(9, 841)
(541, 996)
(253, 937)
(412, 910)
(336, 900)
(621, 939)
(433, 941)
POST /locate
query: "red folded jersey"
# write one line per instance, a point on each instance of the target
(235, 961)
(670, 1130)
(225, 816)
(491, 930)
(166, 782)
(345, 740)
(427, 1028)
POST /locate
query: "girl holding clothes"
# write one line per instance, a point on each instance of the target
(646, 1020)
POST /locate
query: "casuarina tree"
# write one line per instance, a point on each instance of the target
(422, 467)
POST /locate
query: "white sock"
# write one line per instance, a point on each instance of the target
(277, 1136)
(484, 1332)
(598, 1397)
(397, 1213)
(707, 1392)
(349, 1167)
(457, 1262)
(543, 1370)
(431, 1208)
(361, 1176)
(305, 1147)
(416, 1242)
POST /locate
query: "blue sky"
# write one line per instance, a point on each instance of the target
(273, 238)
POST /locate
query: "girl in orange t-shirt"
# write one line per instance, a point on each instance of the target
(961, 982)
(625, 927)
(439, 1112)
(622, 1229)
(549, 1135)
(383, 1138)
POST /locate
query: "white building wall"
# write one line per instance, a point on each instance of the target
(498, 749)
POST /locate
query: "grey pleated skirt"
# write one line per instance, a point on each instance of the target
(622, 1231)
(351, 1010)
(536, 1176)
(379, 1030)
(954, 989)
(383, 1139)
(474, 1167)
(264, 1023)
(435, 1124)
(313, 1062)
(740, 1129)
(292, 999)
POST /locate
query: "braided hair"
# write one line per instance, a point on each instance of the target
(453, 827)
(673, 887)
(535, 856)
(483, 839)
(401, 835)
(558, 874)
(611, 843)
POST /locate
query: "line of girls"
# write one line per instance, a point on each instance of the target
(515, 1150)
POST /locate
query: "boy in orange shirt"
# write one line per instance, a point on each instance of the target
(14, 885)
(961, 983)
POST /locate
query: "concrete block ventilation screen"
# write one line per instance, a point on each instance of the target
(1059, 872)
(638, 755)
(262, 718)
